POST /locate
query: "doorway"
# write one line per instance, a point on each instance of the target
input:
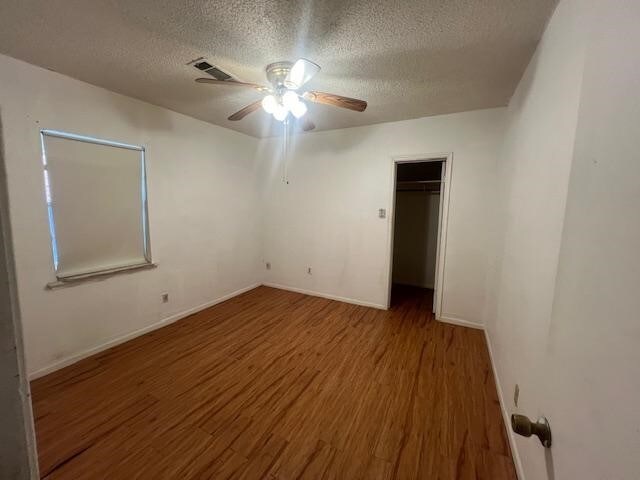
(420, 204)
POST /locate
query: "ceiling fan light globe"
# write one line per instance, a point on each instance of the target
(269, 104)
(290, 100)
(301, 72)
(280, 113)
(296, 75)
(299, 109)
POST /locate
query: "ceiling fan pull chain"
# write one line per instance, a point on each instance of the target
(285, 150)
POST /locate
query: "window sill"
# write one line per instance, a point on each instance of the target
(71, 281)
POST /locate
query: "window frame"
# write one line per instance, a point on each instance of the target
(50, 204)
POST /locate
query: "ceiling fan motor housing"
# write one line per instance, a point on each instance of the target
(277, 73)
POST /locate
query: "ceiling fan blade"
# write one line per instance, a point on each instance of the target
(306, 124)
(240, 114)
(336, 100)
(213, 81)
(301, 72)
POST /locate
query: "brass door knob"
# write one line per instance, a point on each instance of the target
(525, 427)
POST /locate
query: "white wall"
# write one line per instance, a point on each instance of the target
(206, 220)
(327, 216)
(415, 238)
(564, 324)
(202, 209)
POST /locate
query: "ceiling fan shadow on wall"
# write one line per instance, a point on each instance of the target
(284, 96)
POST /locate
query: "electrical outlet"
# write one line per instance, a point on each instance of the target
(268, 265)
(516, 394)
(165, 297)
(382, 213)
(309, 270)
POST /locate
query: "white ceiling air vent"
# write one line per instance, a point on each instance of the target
(204, 66)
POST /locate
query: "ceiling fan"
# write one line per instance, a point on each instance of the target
(283, 96)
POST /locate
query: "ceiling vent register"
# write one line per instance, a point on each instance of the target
(212, 70)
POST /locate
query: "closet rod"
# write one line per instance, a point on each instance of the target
(400, 182)
(418, 190)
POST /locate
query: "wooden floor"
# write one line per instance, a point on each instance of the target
(274, 384)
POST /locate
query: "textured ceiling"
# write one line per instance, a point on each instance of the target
(407, 58)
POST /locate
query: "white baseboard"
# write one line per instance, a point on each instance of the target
(505, 413)
(326, 295)
(459, 321)
(129, 336)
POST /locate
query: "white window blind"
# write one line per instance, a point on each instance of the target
(96, 198)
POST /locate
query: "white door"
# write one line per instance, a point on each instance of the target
(592, 375)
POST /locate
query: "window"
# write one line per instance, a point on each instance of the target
(96, 198)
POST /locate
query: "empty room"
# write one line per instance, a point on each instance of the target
(319, 239)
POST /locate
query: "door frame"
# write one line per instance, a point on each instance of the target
(443, 220)
(18, 443)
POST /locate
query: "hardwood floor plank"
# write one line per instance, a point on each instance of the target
(279, 385)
